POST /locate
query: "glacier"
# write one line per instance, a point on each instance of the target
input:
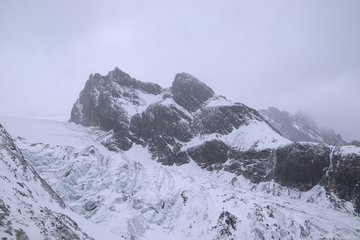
(130, 196)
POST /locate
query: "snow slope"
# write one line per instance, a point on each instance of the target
(132, 196)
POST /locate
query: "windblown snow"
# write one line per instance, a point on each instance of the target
(133, 197)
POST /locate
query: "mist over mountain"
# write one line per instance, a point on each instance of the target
(355, 143)
(300, 127)
(143, 161)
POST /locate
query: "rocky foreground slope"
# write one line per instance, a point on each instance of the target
(29, 208)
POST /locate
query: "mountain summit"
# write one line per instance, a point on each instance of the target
(176, 124)
(189, 92)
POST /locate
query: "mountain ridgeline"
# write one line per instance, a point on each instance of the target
(189, 122)
(300, 127)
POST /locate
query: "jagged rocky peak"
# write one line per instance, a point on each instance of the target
(124, 79)
(189, 92)
(107, 100)
(169, 121)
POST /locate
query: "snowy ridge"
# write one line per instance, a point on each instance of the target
(130, 195)
(219, 100)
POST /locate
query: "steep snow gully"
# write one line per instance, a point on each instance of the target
(148, 163)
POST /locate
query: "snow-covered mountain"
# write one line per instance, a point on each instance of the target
(176, 124)
(146, 162)
(300, 127)
(134, 197)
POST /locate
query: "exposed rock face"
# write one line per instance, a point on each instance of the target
(26, 200)
(343, 175)
(162, 129)
(304, 165)
(104, 102)
(257, 166)
(163, 120)
(300, 127)
(223, 119)
(301, 165)
(189, 92)
(210, 153)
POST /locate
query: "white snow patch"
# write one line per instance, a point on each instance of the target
(217, 101)
(257, 135)
(344, 150)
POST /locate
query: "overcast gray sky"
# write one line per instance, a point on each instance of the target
(287, 54)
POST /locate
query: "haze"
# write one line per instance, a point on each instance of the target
(288, 54)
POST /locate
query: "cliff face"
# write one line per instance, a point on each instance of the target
(301, 165)
(343, 174)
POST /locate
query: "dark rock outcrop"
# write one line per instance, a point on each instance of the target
(223, 119)
(301, 165)
(162, 128)
(189, 92)
(343, 177)
(103, 101)
(226, 225)
(255, 165)
(305, 165)
(209, 153)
